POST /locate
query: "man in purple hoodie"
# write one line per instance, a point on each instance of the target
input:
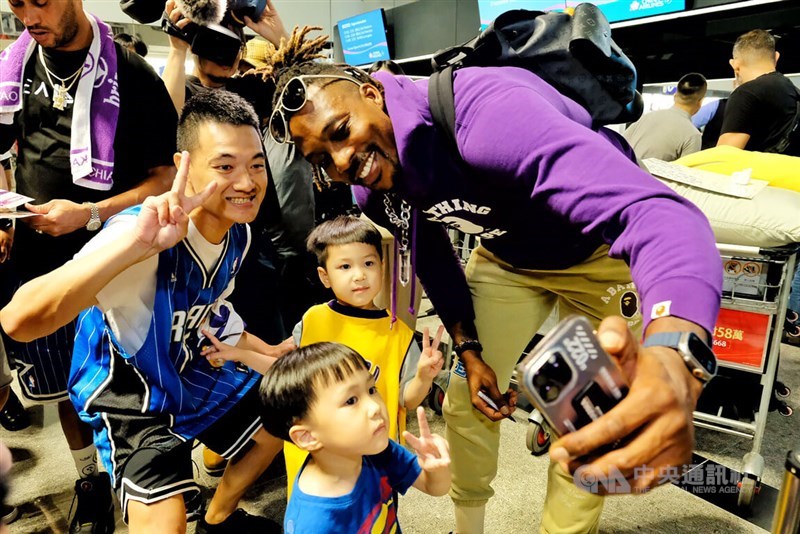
(565, 216)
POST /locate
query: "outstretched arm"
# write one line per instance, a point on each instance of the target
(653, 422)
(250, 350)
(269, 26)
(46, 303)
(174, 73)
(60, 216)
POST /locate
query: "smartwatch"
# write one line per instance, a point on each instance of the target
(697, 356)
(94, 223)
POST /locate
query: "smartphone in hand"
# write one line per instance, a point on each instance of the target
(570, 378)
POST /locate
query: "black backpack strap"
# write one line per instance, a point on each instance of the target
(443, 107)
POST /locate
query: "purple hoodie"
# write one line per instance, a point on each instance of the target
(543, 191)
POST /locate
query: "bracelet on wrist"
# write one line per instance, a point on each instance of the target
(467, 344)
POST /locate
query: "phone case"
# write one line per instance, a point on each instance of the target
(570, 378)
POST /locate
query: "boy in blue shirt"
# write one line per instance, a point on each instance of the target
(322, 397)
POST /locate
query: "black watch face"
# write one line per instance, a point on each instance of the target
(702, 353)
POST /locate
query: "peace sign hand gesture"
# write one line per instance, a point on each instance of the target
(431, 359)
(164, 220)
(433, 451)
(433, 456)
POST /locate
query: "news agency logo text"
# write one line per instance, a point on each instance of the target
(705, 478)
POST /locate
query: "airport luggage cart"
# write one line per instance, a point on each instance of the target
(747, 340)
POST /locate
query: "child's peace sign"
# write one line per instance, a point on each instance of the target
(433, 451)
(431, 359)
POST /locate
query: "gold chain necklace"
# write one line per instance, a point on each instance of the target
(61, 89)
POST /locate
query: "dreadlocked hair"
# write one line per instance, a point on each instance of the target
(295, 49)
(304, 68)
(295, 57)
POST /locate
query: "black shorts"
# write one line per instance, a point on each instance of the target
(151, 463)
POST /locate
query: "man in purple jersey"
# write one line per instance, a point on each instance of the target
(564, 217)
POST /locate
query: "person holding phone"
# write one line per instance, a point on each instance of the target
(564, 216)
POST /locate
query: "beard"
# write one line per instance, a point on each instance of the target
(204, 65)
(69, 25)
(360, 158)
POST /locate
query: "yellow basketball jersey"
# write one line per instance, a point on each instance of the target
(371, 334)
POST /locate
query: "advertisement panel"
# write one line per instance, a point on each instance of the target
(364, 38)
(740, 339)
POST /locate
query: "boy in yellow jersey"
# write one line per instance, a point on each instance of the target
(349, 256)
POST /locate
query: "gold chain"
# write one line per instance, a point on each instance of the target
(61, 89)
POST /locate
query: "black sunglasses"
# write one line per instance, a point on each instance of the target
(293, 98)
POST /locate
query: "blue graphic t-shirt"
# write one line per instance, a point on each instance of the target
(369, 509)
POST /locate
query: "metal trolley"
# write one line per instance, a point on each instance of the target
(747, 340)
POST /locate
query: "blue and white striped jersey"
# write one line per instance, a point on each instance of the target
(175, 381)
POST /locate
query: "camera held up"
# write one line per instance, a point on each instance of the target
(216, 32)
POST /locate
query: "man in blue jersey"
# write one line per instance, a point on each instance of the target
(145, 287)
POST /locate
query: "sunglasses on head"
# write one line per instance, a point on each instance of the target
(294, 96)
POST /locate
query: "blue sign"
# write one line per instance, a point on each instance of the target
(490, 9)
(618, 10)
(614, 10)
(364, 38)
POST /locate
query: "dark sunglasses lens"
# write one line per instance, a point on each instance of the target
(295, 95)
(277, 127)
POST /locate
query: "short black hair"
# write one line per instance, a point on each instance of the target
(691, 88)
(288, 389)
(132, 41)
(342, 230)
(756, 45)
(218, 106)
(386, 65)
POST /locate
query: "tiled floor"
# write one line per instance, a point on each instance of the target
(43, 477)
